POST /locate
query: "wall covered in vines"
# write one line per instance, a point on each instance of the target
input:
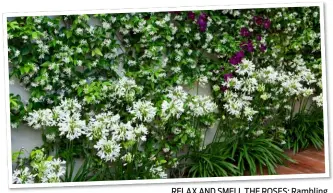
(112, 89)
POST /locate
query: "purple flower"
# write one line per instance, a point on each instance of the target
(223, 88)
(263, 47)
(240, 54)
(236, 58)
(203, 28)
(244, 32)
(203, 16)
(267, 23)
(191, 15)
(202, 22)
(248, 46)
(258, 20)
(259, 37)
(227, 76)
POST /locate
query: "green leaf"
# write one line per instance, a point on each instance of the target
(15, 155)
(34, 35)
(68, 34)
(97, 51)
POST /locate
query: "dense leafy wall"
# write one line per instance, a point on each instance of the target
(110, 88)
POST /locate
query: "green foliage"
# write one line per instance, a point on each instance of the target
(305, 129)
(17, 110)
(253, 155)
(210, 162)
(128, 58)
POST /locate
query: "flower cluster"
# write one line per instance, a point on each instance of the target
(43, 169)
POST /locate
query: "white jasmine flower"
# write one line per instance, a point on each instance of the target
(50, 137)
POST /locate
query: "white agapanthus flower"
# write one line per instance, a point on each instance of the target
(141, 131)
(203, 81)
(245, 67)
(172, 108)
(108, 150)
(126, 88)
(71, 126)
(123, 131)
(319, 100)
(177, 93)
(40, 118)
(143, 111)
(96, 130)
(249, 112)
(23, 176)
(158, 172)
(54, 170)
(202, 105)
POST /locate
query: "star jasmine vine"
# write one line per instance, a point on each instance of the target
(123, 92)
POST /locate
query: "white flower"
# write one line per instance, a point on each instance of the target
(52, 170)
(143, 110)
(126, 88)
(203, 80)
(96, 130)
(50, 137)
(22, 176)
(319, 100)
(123, 131)
(172, 108)
(202, 105)
(245, 67)
(71, 126)
(79, 31)
(158, 172)
(40, 118)
(141, 131)
(106, 25)
(249, 112)
(108, 150)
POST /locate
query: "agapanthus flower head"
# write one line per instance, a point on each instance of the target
(22, 176)
(267, 23)
(108, 150)
(244, 31)
(143, 111)
(202, 105)
(258, 20)
(191, 15)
